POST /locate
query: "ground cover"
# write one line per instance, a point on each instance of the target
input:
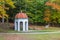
(55, 36)
(50, 29)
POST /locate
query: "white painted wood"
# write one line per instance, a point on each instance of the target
(18, 26)
(15, 26)
(25, 26)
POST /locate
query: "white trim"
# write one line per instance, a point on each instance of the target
(25, 27)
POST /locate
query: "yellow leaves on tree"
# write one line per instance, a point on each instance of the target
(47, 15)
(0, 16)
(3, 7)
(2, 12)
(10, 2)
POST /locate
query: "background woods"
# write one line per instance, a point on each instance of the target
(39, 11)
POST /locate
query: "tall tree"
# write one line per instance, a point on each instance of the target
(3, 8)
(55, 10)
(33, 8)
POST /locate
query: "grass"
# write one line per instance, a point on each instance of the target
(50, 29)
(45, 37)
(1, 38)
(35, 36)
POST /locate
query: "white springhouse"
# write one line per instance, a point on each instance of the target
(21, 17)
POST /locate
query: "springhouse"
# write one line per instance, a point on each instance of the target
(21, 17)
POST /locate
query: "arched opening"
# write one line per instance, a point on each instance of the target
(16, 25)
(21, 26)
(26, 26)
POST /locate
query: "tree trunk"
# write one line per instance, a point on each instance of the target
(3, 19)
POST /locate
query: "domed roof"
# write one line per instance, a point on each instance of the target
(21, 15)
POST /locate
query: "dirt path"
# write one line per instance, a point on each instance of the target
(16, 37)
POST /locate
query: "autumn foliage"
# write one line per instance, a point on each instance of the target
(3, 7)
(47, 15)
(54, 5)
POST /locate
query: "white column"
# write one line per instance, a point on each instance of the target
(23, 26)
(27, 26)
(15, 26)
(18, 26)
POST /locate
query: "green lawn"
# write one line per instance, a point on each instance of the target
(35, 36)
(50, 29)
(1, 38)
(45, 37)
(55, 36)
